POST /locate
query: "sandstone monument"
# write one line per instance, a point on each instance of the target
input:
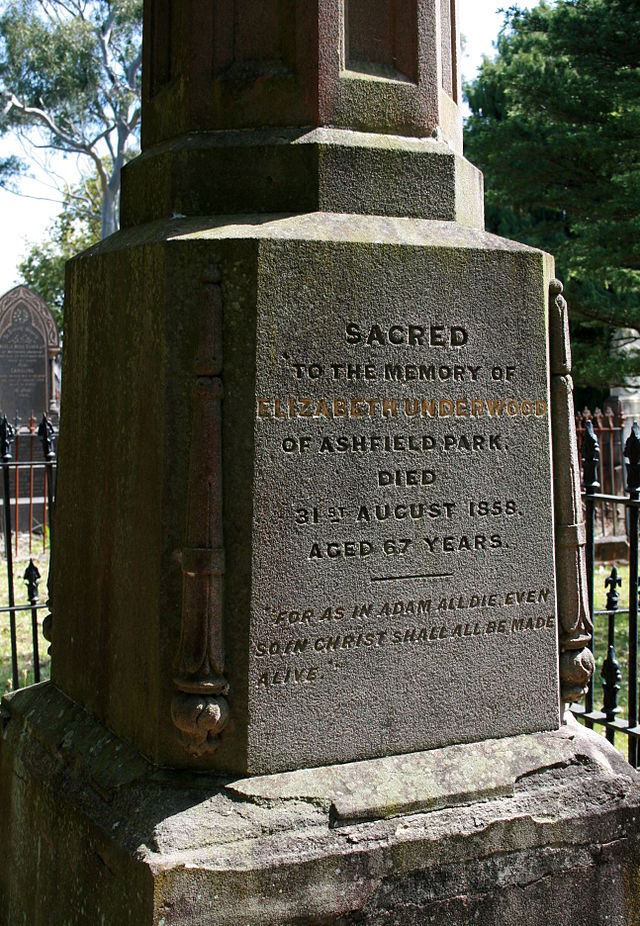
(29, 356)
(336, 594)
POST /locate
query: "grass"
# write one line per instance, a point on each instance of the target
(23, 618)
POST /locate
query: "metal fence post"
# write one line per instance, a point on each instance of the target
(590, 452)
(45, 433)
(611, 675)
(32, 577)
(6, 439)
(632, 453)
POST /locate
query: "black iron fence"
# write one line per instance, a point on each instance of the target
(608, 427)
(619, 712)
(28, 490)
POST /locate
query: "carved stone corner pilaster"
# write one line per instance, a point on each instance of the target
(200, 719)
(47, 628)
(576, 671)
(199, 708)
(574, 621)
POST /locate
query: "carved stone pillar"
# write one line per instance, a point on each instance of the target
(200, 708)
(575, 628)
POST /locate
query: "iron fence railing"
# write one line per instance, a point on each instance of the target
(610, 671)
(32, 482)
(608, 427)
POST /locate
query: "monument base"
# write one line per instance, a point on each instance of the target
(536, 829)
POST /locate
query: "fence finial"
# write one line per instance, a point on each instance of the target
(632, 453)
(45, 433)
(613, 583)
(590, 452)
(32, 577)
(7, 435)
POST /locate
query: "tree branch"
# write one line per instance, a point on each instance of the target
(44, 118)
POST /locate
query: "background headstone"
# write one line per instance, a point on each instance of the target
(29, 348)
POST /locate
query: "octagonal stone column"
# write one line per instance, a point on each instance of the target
(385, 66)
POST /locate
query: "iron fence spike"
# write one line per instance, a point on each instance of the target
(632, 453)
(32, 577)
(613, 583)
(590, 452)
(7, 435)
(45, 433)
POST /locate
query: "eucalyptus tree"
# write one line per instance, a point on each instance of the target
(70, 82)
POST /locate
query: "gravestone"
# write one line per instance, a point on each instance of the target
(311, 632)
(29, 349)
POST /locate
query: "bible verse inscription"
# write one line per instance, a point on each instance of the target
(397, 473)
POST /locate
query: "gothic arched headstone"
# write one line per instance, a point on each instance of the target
(29, 346)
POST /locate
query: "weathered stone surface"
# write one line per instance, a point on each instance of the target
(553, 838)
(320, 522)
(374, 671)
(330, 170)
(386, 66)
(422, 781)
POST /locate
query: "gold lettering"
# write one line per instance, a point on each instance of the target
(306, 410)
(323, 409)
(340, 408)
(264, 408)
(357, 410)
(372, 403)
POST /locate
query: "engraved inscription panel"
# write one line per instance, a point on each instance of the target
(23, 366)
(403, 567)
(381, 37)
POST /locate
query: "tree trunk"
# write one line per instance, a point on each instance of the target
(110, 219)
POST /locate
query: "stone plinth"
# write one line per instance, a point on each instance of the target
(539, 829)
(385, 509)
(290, 171)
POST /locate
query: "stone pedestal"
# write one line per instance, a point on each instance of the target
(411, 618)
(538, 829)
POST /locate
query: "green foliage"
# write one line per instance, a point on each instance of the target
(10, 168)
(70, 80)
(76, 228)
(555, 126)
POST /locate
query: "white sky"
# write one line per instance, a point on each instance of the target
(25, 219)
